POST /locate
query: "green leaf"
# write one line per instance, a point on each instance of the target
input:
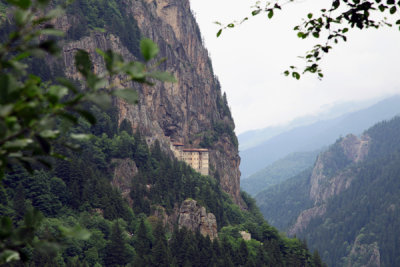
(24, 4)
(49, 133)
(21, 16)
(148, 49)
(18, 144)
(393, 10)
(296, 75)
(3, 129)
(44, 144)
(270, 14)
(5, 110)
(68, 84)
(136, 70)
(80, 137)
(8, 84)
(231, 25)
(82, 62)
(50, 47)
(309, 15)
(5, 227)
(52, 32)
(76, 232)
(219, 32)
(130, 95)
(101, 100)
(316, 34)
(87, 115)
(9, 256)
(162, 76)
(58, 91)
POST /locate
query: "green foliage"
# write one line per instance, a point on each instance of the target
(30, 108)
(104, 16)
(281, 204)
(363, 218)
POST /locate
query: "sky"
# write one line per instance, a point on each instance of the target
(250, 60)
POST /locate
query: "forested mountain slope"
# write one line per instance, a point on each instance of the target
(141, 206)
(347, 206)
(315, 136)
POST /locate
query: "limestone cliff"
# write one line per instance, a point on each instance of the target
(195, 218)
(330, 176)
(190, 215)
(364, 254)
(186, 111)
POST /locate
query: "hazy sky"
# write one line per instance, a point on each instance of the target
(250, 59)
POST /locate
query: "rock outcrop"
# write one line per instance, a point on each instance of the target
(184, 111)
(195, 217)
(364, 255)
(124, 171)
(330, 177)
(325, 184)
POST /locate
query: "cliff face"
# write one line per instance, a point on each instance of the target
(194, 217)
(330, 176)
(185, 111)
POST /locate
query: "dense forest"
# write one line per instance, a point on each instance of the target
(44, 204)
(79, 191)
(360, 225)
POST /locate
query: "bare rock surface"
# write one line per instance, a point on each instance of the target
(183, 111)
(195, 217)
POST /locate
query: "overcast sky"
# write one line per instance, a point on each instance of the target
(250, 59)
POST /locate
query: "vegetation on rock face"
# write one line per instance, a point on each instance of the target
(43, 208)
(104, 15)
(361, 223)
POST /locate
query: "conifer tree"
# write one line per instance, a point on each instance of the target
(159, 252)
(116, 250)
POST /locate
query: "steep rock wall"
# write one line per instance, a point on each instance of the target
(184, 111)
(330, 177)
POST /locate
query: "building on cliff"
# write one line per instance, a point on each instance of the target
(197, 158)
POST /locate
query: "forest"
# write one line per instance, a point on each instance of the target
(62, 209)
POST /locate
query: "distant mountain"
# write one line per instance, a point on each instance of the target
(348, 204)
(279, 171)
(254, 138)
(316, 135)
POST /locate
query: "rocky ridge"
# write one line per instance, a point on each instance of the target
(328, 183)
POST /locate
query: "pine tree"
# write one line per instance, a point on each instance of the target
(159, 252)
(142, 245)
(316, 259)
(116, 250)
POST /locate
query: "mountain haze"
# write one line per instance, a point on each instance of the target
(279, 171)
(139, 204)
(347, 205)
(315, 136)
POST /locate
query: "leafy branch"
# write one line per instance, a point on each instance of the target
(30, 109)
(333, 22)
